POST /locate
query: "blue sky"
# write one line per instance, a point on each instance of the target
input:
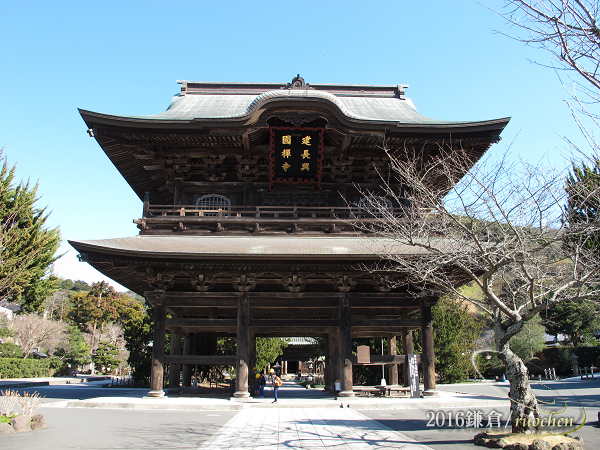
(124, 57)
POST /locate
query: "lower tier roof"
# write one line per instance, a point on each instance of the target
(246, 247)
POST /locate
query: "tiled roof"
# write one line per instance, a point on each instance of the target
(238, 101)
(10, 306)
(227, 106)
(301, 341)
(248, 247)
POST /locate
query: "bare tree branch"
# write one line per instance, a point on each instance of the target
(503, 227)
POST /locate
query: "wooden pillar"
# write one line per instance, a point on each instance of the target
(251, 350)
(175, 369)
(178, 191)
(158, 347)
(428, 355)
(335, 352)
(186, 372)
(407, 347)
(284, 367)
(345, 348)
(393, 368)
(329, 364)
(242, 355)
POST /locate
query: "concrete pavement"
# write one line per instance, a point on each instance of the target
(307, 428)
(291, 395)
(18, 383)
(303, 418)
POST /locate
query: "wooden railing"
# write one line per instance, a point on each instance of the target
(256, 212)
(255, 218)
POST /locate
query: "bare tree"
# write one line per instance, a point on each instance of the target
(567, 31)
(113, 333)
(502, 227)
(56, 306)
(33, 331)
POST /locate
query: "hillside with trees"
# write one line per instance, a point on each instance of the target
(78, 327)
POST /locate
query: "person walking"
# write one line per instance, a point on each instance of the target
(256, 384)
(275, 383)
(262, 381)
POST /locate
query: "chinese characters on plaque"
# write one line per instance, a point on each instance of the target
(413, 370)
(296, 155)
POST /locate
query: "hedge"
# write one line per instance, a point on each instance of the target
(24, 368)
(560, 358)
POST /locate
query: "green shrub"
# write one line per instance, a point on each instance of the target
(57, 368)
(24, 368)
(8, 350)
(560, 358)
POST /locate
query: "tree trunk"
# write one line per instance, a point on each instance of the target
(524, 413)
(92, 346)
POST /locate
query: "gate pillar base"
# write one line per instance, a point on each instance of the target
(430, 392)
(346, 394)
(241, 394)
(156, 393)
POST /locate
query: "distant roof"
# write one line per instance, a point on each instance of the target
(10, 306)
(302, 341)
(207, 101)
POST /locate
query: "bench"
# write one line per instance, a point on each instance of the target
(368, 390)
(388, 391)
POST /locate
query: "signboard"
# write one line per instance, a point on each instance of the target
(296, 156)
(413, 370)
(363, 354)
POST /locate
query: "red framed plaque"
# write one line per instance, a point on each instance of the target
(296, 156)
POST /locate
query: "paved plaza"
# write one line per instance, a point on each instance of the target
(88, 415)
(307, 428)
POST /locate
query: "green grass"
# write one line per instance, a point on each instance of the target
(6, 419)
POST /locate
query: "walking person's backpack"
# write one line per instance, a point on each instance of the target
(277, 381)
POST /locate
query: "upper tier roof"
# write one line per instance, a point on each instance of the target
(240, 102)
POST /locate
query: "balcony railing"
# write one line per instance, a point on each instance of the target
(254, 218)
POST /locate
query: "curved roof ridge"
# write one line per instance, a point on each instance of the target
(295, 93)
(228, 103)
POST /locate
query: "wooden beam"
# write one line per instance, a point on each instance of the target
(293, 323)
(196, 294)
(384, 359)
(286, 332)
(286, 302)
(384, 323)
(213, 360)
(287, 299)
(200, 302)
(192, 322)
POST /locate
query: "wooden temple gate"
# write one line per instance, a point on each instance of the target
(247, 229)
(338, 333)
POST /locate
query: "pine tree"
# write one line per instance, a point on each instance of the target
(28, 248)
(579, 318)
(583, 204)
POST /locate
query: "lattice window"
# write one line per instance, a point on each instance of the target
(293, 198)
(374, 206)
(213, 202)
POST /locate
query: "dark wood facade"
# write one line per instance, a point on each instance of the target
(230, 246)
